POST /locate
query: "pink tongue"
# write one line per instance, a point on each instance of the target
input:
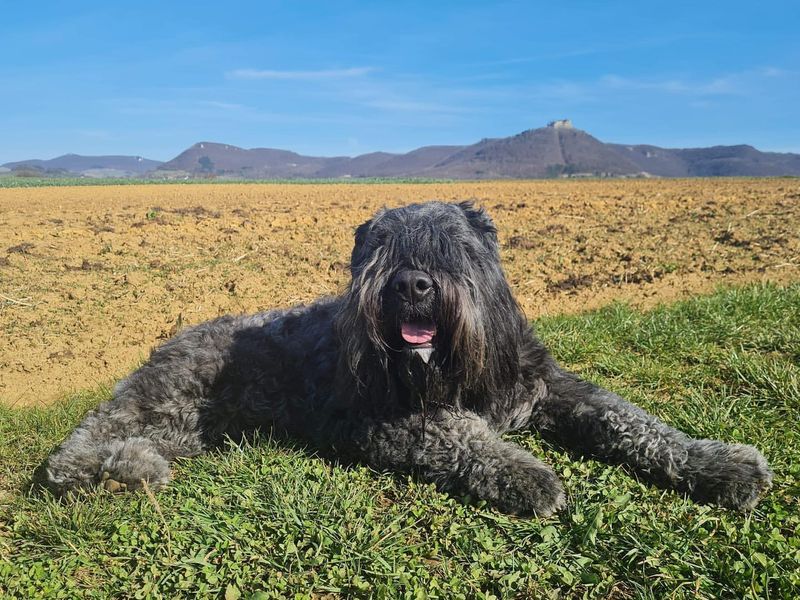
(418, 333)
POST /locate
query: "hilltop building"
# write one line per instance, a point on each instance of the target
(561, 124)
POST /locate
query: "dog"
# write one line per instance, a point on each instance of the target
(418, 367)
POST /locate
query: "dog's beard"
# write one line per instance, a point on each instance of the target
(418, 361)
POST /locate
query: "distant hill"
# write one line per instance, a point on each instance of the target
(733, 160)
(359, 166)
(417, 161)
(206, 158)
(546, 152)
(557, 150)
(717, 161)
(87, 166)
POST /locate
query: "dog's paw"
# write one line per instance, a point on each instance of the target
(112, 485)
(529, 489)
(731, 475)
(132, 462)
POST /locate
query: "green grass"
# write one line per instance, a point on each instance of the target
(268, 519)
(28, 182)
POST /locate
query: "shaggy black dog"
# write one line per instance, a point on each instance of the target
(421, 366)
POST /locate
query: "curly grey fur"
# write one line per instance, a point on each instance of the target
(339, 375)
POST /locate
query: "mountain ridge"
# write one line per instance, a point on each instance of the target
(557, 150)
(88, 166)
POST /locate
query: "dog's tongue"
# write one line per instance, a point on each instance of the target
(418, 332)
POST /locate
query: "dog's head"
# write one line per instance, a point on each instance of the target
(427, 289)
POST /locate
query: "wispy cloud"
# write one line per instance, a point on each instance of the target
(215, 111)
(773, 72)
(594, 49)
(223, 105)
(415, 106)
(725, 85)
(405, 96)
(742, 83)
(320, 75)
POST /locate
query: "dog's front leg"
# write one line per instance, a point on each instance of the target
(580, 415)
(461, 454)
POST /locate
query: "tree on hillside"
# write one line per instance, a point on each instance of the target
(206, 164)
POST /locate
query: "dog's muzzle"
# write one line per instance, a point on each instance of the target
(412, 288)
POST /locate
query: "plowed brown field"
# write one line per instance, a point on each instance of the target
(91, 278)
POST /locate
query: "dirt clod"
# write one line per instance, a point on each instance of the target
(23, 248)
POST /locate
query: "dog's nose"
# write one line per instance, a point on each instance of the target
(412, 286)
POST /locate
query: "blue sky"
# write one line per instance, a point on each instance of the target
(328, 78)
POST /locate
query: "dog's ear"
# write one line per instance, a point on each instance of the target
(481, 222)
(361, 232)
(358, 245)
